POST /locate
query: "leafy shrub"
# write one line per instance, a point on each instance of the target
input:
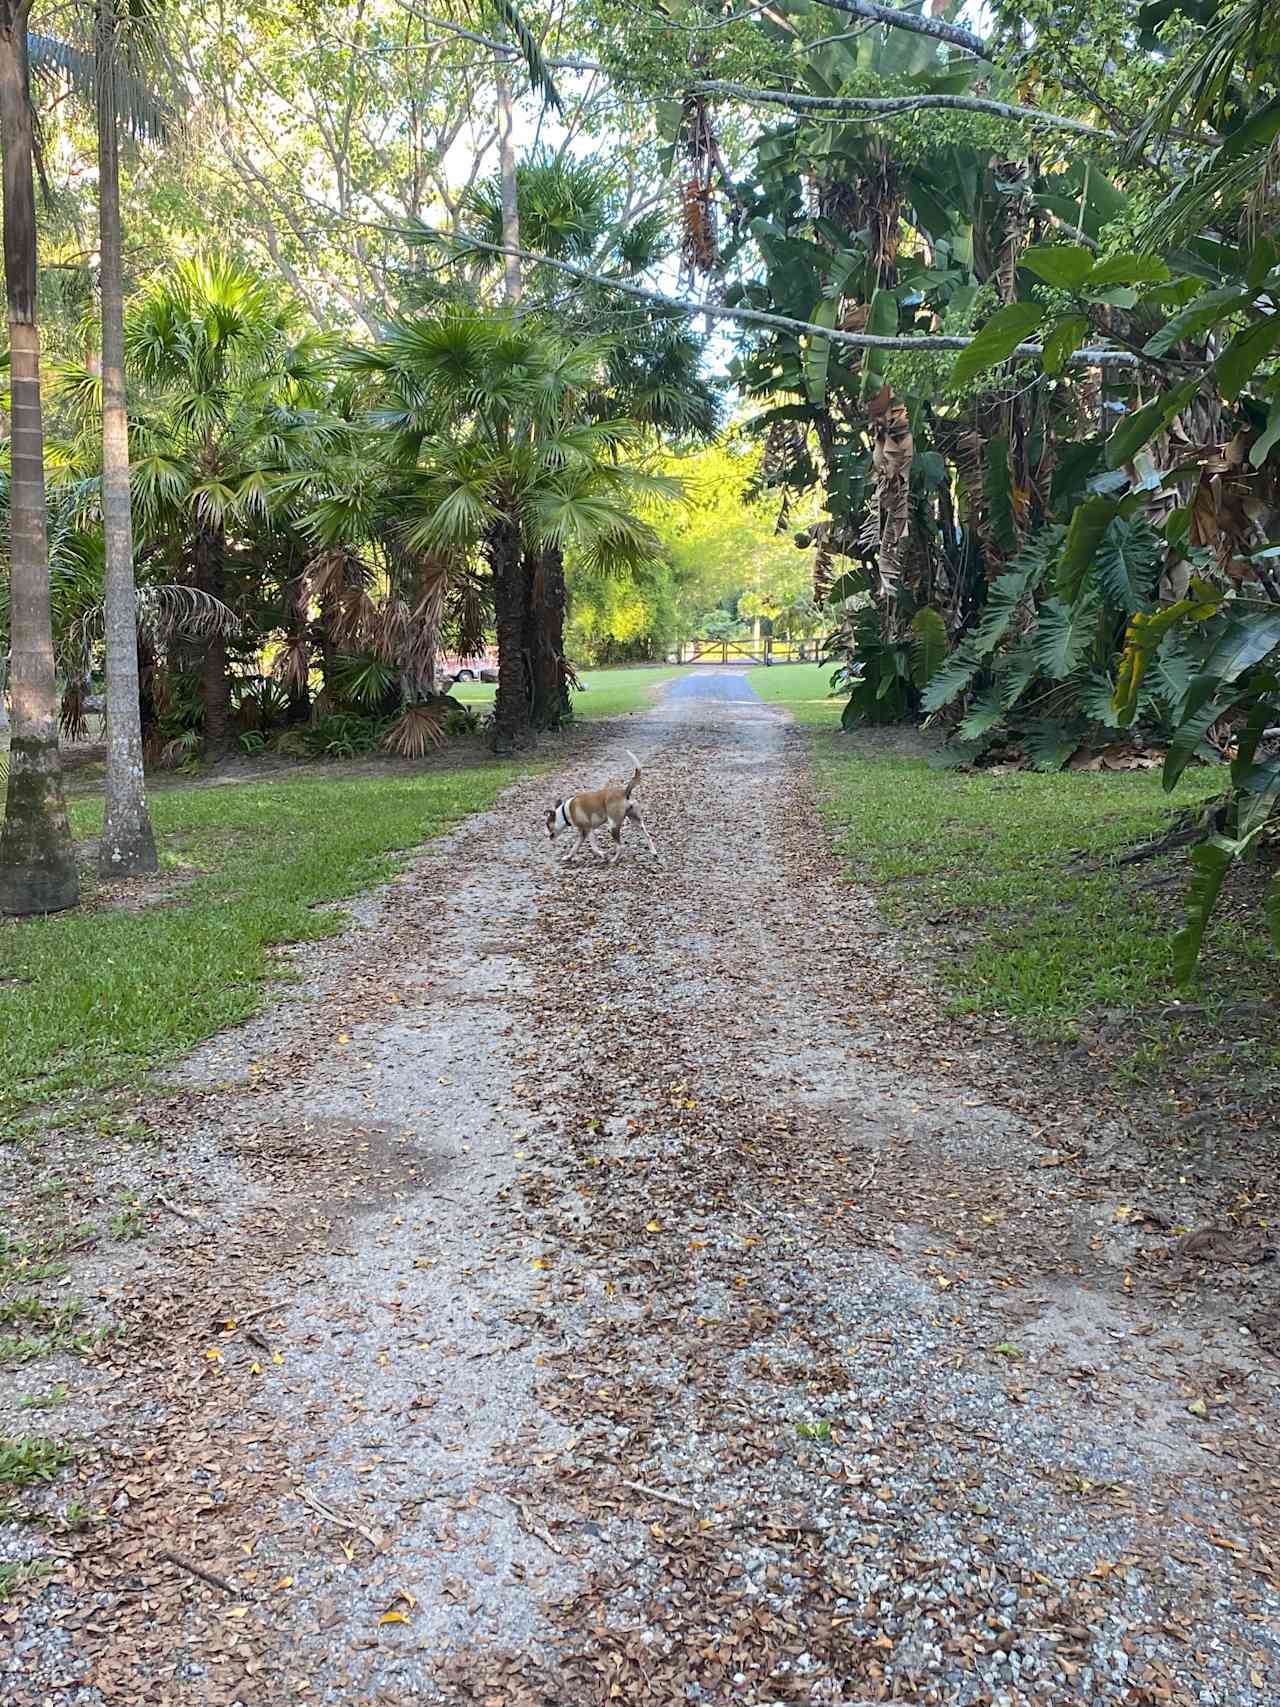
(344, 735)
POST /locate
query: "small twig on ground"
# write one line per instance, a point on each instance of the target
(182, 1214)
(330, 1516)
(870, 1174)
(534, 1528)
(659, 1494)
(210, 1577)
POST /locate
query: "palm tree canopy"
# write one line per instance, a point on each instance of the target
(233, 396)
(491, 422)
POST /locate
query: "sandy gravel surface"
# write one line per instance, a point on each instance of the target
(605, 1285)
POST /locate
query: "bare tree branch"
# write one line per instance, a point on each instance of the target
(897, 19)
(774, 322)
(884, 106)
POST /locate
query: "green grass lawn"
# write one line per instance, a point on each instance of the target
(94, 998)
(803, 688)
(610, 693)
(993, 871)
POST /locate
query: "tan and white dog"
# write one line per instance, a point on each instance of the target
(593, 809)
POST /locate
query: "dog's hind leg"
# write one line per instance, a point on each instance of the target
(633, 812)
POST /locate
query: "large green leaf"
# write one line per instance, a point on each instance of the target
(817, 352)
(999, 338)
(1017, 674)
(1097, 699)
(997, 486)
(1144, 633)
(1059, 265)
(1076, 461)
(1171, 676)
(1063, 636)
(954, 676)
(928, 645)
(1063, 342)
(985, 712)
(1198, 318)
(1247, 641)
(1002, 601)
(1127, 562)
(1049, 744)
(1127, 269)
(1090, 520)
(1142, 426)
(1260, 787)
(1212, 861)
(1245, 354)
(846, 586)
(1191, 734)
(882, 322)
(1262, 446)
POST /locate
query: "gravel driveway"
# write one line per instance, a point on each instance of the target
(658, 1314)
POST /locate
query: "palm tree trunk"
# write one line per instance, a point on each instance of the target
(512, 730)
(128, 845)
(510, 182)
(37, 862)
(551, 705)
(211, 547)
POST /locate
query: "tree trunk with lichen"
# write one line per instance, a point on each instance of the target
(37, 861)
(128, 844)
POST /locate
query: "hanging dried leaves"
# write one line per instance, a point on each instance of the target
(892, 455)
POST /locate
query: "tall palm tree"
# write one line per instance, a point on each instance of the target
(501, 458)
(570, 209)
(37, 864)
(128, 844)
(231, 412)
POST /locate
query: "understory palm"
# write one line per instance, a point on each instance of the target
(497, 457)
(232, 412)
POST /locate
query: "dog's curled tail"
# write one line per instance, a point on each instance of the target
(636, 777)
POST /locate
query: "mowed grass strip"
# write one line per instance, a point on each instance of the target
(93, 999)
(610, 693)
(995, 873)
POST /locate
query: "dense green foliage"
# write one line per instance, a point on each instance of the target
(1052, 529)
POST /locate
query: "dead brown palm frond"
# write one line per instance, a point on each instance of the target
(163, 611)
(418, 731)
(355, 617)
(172, 608)
(386, 632)
(467, 614)
(292, 663)
(331, 574)
(73, 713)
(422, 636)
(823, 571)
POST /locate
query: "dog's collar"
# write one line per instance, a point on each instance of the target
(563, 820)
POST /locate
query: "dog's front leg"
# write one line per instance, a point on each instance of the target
(633, 812)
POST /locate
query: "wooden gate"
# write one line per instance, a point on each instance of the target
(767, 651)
